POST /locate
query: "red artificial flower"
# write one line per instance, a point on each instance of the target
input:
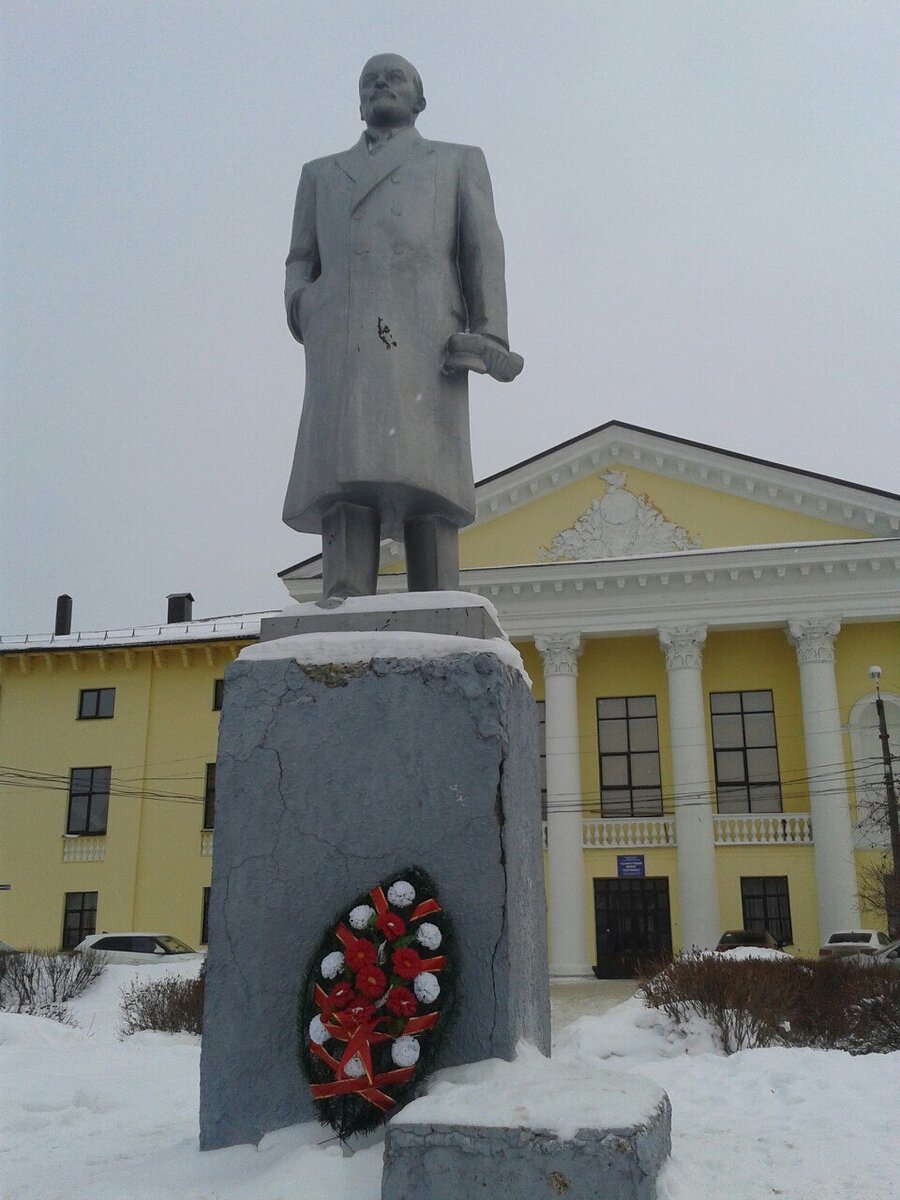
(360, 953)
(360, 1011)
(371, 981)
(340, 996)
(401, 1002)
(406, 963)
(390, 925)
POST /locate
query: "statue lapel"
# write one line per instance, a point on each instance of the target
(368, 170)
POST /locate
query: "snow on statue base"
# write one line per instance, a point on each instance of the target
(529, 1129)
(342, 758)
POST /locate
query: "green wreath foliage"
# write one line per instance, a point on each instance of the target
(349, 1114)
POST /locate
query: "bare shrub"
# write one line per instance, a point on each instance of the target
(792, 1002)
(170, 1005)
(41, 982)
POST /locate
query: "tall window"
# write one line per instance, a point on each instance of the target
(628, 741)
(767, 905)
(746, 753)
(79, 918)
(218, 694)
(209, 797)
(204, 919)
(96, 702)
(542, 743)
(88, 800)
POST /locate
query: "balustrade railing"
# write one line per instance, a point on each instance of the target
(84, 849)
(625, 832)
(729, 829)
(763, 829)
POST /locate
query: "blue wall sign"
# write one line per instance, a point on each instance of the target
(630, 866)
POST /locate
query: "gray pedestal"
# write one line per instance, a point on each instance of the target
(458, 1162)
(329, 778)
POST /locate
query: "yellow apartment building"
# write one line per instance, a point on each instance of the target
(698, 626)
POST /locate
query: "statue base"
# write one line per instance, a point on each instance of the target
(343, 758)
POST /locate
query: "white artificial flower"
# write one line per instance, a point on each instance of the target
(354, 1068)
(361, 915)
(405, 1051)
(317, 1031)
(332, 964)
(429, 935)
(401, 894)
(426, 987)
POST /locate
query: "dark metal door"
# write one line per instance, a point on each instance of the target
(633, 924)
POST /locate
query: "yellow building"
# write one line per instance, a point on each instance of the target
(698, 626)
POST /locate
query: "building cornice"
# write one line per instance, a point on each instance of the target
(737, 588)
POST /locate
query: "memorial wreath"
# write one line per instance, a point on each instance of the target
(376, 1000)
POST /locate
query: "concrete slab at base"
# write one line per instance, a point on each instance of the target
(459, 1162)
(471, 621)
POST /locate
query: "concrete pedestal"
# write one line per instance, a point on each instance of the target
(330, 776)
(617, 1158)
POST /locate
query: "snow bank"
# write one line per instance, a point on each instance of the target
(86, 1117)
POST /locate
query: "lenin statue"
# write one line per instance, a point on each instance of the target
(395, 286)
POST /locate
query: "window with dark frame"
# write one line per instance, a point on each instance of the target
(96, 703)
(209, 797)
(218, 694)
(204, 920)
(766, 904)
(628, 743)
(88, 800)
(542, 743)
(745, 751)
(79, 918)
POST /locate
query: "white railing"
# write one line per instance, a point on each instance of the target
(625, 832)
(206, 839)
(84, 849)
(763, 829)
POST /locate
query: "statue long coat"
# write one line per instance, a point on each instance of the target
(391, 253)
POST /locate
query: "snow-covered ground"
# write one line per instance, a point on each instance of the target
(84, 1116)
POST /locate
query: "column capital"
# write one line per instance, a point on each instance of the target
(813, 638)
(559, 652)
(683, 646)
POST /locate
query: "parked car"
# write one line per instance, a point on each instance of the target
(731, 939)
(853, 941)
(887, 956)
(138, 947)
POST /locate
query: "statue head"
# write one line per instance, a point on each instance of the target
(390, 92)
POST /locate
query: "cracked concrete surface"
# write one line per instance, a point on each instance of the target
(323, 791)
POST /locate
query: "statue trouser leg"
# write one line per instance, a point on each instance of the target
(432, 554)
(351, 537)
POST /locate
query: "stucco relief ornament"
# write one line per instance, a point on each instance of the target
(375, 1002)
(619, 525)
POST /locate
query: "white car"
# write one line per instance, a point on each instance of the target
(853, 941)
(887, 956)
(139, 947)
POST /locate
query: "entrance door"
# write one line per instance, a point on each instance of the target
(633, 924)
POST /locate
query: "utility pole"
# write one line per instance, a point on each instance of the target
(892, 889)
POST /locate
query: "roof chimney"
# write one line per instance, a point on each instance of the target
(181, 605)
(63, 616)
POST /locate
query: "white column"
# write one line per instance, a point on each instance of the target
(564, 819)
(829, 804)
(693, 791)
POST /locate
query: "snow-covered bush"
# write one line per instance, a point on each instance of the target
(170, 1005)
(781, 1001)
(40, 982)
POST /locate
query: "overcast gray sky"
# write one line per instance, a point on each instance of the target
(699, 201)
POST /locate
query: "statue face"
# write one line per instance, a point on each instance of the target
(389, 92)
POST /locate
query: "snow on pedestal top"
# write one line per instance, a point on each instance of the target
(534, 1092)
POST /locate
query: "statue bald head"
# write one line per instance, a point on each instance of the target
(390, 92)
